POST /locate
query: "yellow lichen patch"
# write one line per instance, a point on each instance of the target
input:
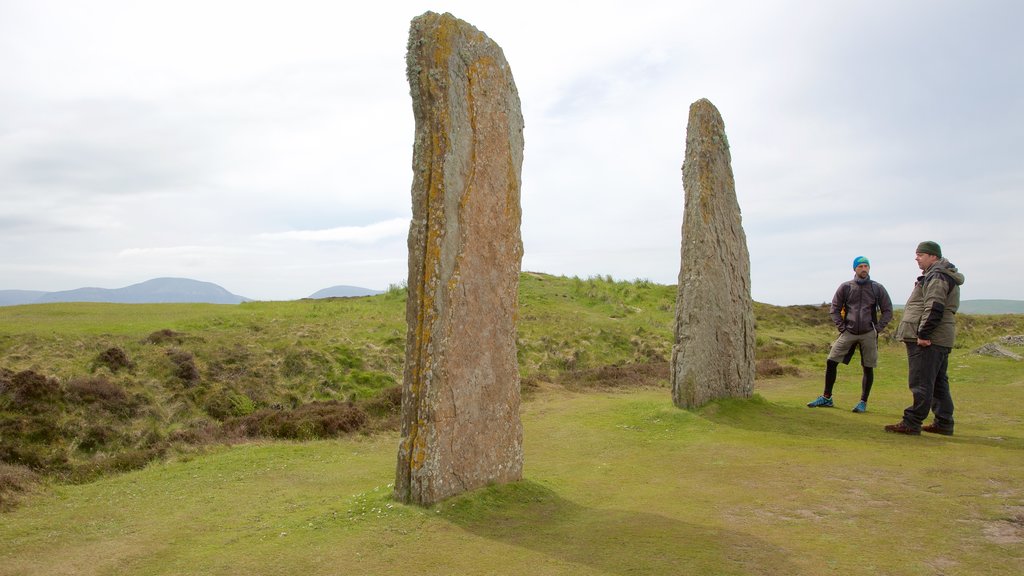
(431, 78)
(418, 451)
(513, 211)
(447, 28)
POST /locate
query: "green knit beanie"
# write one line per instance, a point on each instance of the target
(860, 260)
(929, 247)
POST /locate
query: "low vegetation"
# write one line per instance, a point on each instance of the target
(89, 389)
(260, 438)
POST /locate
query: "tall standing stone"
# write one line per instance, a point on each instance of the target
(713, 353)
(460, 400)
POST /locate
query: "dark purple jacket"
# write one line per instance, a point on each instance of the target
(860, 299)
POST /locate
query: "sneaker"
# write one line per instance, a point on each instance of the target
(820, 402)
(934, 429)
(902, 428)
(861, 406)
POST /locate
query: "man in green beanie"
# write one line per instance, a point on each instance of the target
(854, 311)
(928, 329)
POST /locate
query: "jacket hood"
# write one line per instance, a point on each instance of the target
(943, 266)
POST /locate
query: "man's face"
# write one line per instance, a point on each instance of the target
(925, 261)
(862, 271)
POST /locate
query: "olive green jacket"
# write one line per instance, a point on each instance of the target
(929, 313)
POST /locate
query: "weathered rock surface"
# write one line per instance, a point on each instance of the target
(993, 349)
(1014, 340)
(460, 404)
(713, 353)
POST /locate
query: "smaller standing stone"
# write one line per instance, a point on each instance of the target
(713, 353)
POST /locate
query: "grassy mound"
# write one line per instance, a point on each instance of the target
(618, 481)
(90, 389)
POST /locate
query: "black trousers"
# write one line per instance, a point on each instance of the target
(929, 385)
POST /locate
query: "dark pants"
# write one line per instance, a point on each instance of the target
(929, 384)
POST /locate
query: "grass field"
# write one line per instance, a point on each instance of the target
(617, 480)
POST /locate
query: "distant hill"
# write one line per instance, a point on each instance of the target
(158, 290)
(343, 292)
(992, 307)
(16, 297)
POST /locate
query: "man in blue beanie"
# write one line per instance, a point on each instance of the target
(854, 311)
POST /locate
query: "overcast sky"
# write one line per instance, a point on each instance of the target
(266, 146)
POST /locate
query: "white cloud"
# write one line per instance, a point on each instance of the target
(370, 233)
(180, 252)
(267, 146)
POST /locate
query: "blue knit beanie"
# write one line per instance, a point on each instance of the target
(860, 260)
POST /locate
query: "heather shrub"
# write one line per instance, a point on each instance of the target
(30, 390)
(96, 437)
(305, 422)
(114, 358)
(185, 365)
(164, 336)
(387, 403)
(769, 368)
(100, 392)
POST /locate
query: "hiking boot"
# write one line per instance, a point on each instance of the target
(902, 428)
(820, 402)
(935, 429)
(861, 406)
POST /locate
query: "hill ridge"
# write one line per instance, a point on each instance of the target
(153, 291)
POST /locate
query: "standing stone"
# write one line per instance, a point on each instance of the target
(460, 399)
(713, 354)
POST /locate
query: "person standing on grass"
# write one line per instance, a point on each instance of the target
(854, 311)
(929, 330)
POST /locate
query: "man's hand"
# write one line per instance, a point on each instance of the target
(922, 342)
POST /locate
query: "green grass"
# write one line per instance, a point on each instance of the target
(193, 371)
(617, 480)
(615, 483)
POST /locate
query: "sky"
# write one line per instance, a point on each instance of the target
(266, 146)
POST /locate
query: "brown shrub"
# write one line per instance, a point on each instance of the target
(97, 436)
(28, 450)
(386, 403)
(307, 421)
(35, 428)
(114, 358)
(164, 336)
(185, 365)
(30, 389)
(769, 368)
(529, 384)
(100, 392)
(617, 376)
(385, 408)
(199, 432)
